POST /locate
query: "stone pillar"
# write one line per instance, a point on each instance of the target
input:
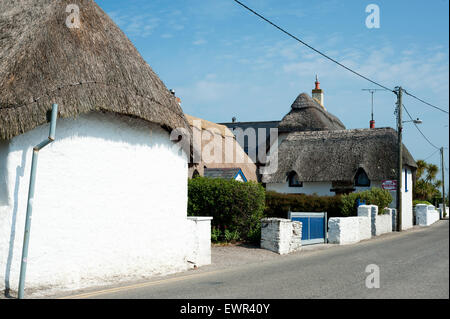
(200, 237)
(280, 235)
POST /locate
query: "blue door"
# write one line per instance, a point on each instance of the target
(314, 227)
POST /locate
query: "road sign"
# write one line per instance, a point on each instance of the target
(390, 185)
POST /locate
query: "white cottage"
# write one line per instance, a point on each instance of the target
(111, 191)
(317, 155)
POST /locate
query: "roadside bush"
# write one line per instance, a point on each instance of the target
(375, 196)
(236, 207)
(278, 205)
(417, 201)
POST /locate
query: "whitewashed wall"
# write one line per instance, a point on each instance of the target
(199, 237)
(407, 200)
(110, 204)
(344, 230)
(379, 223)
(280, 235)
(309, 188)
(426, 215)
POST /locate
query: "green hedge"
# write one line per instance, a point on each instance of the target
(417, 201)
(278, 205)
(236, 207)
(375, 196)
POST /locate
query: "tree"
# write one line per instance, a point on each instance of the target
(427, 186)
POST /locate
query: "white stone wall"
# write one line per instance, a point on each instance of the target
(110, 204)
(393, 213)
(368, 223)
(344, 230)
(380, 224)
(383, 224)
(426, 216)
(280, 235)
(365, 228)
(200, 239)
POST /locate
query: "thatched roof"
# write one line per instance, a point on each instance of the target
(202, 124)
(227, 160)
(94, 67)
(336, 155)
(308, 115)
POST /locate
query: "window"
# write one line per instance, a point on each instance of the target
(293, 180)
(195, 174)
(361, 178)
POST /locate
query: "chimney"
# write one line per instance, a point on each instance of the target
(177, 99)
(372, 124)
(317, 93)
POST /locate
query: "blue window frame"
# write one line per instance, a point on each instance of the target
(406, 180)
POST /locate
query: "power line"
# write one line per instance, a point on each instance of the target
(433, 106)
(417, 127)
(331, 59)
(315, 50)
(431, 155)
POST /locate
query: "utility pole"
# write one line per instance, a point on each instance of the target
(400, 159)
(443, 181)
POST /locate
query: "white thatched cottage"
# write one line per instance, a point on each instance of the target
(111, 190)
(317, 155)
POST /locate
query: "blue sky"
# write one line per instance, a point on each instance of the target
(224, 62)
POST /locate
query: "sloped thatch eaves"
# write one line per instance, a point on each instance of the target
(94, 67)
(307, 115)
(335, 156)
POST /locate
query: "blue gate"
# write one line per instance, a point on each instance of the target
(314, 227)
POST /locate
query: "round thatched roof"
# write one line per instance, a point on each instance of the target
(337, 155)
(94, 67)
(307, 115)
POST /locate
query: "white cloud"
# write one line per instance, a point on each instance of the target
(199, 42)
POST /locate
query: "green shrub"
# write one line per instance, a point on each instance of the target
(375, 196)
(236, 207)
(216, 235)
(278, 205)
(417, 201)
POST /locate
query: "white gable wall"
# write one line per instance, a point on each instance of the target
(110, 204)
(407, 199)
(309, 188)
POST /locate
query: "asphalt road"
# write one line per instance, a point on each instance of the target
(412, 265)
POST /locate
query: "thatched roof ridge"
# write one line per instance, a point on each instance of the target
(202, 124)
(308, 115)
(336, 155)
(91, 68)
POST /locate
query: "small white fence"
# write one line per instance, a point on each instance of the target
(426, 215)
(350, 230)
